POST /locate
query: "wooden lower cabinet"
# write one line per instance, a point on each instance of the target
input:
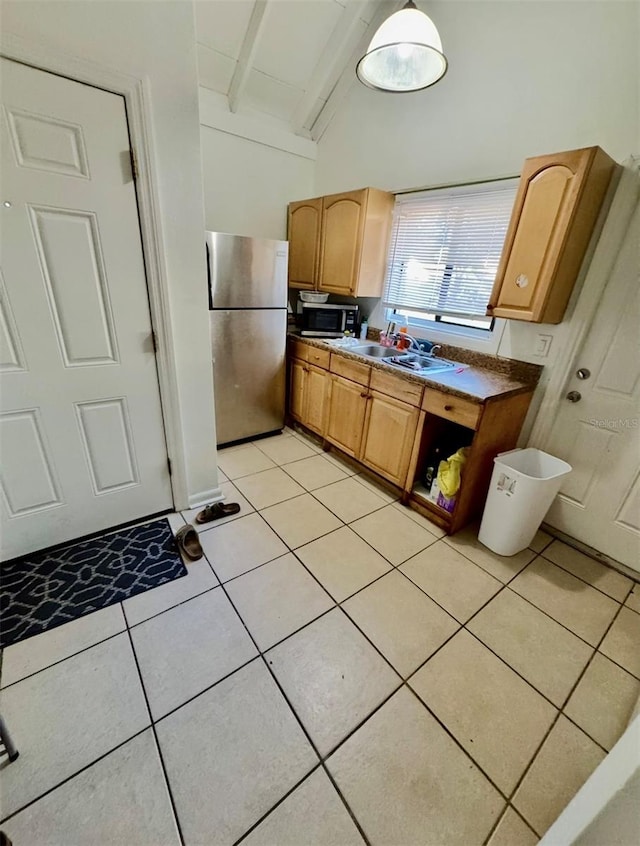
(316, 405)
(390, 426)
(297, 384)
(389, 434)
(308, 394)
(345, 421)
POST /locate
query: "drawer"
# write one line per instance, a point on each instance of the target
(396, 386)
(318, 357)
(350, 369)
(452, 408)
(299, 350)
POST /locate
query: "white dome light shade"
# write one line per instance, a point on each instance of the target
(405, 54)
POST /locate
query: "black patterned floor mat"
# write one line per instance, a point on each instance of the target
(45, 589)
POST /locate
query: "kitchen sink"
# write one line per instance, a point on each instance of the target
(376, 351)
(422, 364)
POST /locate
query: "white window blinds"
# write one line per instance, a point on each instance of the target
(445, 248)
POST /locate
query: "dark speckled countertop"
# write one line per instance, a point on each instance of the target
(484, 378)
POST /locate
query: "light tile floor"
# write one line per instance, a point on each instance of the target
(335, 671)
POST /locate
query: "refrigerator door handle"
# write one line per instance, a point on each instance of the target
(209, 292)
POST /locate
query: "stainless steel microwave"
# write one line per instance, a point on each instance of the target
(328, 320)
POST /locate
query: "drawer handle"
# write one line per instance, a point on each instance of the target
(448, 408)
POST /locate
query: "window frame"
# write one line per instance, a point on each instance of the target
(436, 328)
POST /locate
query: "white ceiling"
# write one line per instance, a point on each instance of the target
(283, 60)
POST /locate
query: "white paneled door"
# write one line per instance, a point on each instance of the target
(597, 429)
(82, 443)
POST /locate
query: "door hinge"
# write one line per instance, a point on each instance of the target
(134, 165)
(169, 466)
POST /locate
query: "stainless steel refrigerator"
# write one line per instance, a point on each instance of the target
(248, 318)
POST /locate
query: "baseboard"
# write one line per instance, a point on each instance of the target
(205, 498)
(591, 552)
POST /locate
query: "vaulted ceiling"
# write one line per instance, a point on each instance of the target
(288, 62)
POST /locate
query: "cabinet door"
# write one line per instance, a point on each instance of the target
(558, 200)
(345, 420)
(304, 242)
(390, 431)
(341, 242)
(316, 399)
(297, 385)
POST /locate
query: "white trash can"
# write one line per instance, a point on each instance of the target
(523, 486)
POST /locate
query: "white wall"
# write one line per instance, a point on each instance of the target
(524, 78)
(155, 42)
(252, 167)
(248, 184)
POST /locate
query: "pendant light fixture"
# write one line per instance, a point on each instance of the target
(405, 54)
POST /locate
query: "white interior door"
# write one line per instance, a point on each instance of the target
(81, 434)
(599, 432)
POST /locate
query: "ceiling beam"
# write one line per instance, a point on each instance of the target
(331, 61)
(247, 54)
(348, 76)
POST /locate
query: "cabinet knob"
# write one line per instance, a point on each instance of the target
(448, 408)
(490, 307)
(574, 396)
(364, 395)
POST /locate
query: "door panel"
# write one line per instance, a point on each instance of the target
(347, 404)
(342, 222)
(107, 423)
(83, 443)
(543, 207)
(599, 504)
(29, 479)
(389, 435)
(316, 399)
(75, 282)
(298, 378)
(304, 242)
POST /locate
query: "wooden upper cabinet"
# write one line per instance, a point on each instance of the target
(345, 244)
(304, 242)
(341, 242)
(558, 201)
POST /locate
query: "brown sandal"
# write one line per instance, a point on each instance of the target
(216, 511)
(189, 542)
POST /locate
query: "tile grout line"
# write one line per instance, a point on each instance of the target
(66, 657)
(261, 819)
(403, 683)
(73, 775)
(460, 625)
(295, 714)
(157, 742)
(338, 604)
(584, 581)
(557, 718)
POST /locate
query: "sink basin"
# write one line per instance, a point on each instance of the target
(376, 351)
(423, 363)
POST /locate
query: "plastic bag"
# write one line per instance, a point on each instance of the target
(449, 473)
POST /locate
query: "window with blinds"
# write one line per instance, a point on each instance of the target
(445, 249)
